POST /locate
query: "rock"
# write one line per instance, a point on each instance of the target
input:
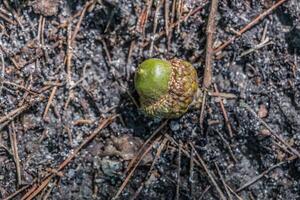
(111, 167)
(263, 111)
(45, 7)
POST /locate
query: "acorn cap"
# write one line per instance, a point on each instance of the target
(166, 88)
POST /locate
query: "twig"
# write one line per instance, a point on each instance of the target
(202, 110)
(191, 173)
(80, 20)
(2, 16)
(249, 25)
(207, 79)
(16, 192)
(12, 114)
(178, 12)
(14, 147)
(128, 62)
(169, 37)
(204, 192)
(51, 97)
(222, 95)
(158, 6)
(172, 25)
(69, 55)
(166, 12)
(2, 74)
(233, 192)
(227, 122)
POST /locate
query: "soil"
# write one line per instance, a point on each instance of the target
(66, 65)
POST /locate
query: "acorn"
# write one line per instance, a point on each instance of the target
(166, 88)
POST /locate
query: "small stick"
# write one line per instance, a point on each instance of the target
(52, 95)
(14, 147)
(233, 192)
(169, 37)
(16, 192)
(209, 44)
(178, 13)
(2, 74)
(12, 114)
(202, 110)
(148, 10)
(167, 17)
(128, 67)
(227, 122)
(222, 95)
(158, 6)
(191, 171)
(80, 21)
(19, 86)
(249, 25)
(172, 25)
(204, 192)
(69, 55)
(10, 57)
(106, 51)
(7, 19)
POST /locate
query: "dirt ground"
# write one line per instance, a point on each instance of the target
(70, 127)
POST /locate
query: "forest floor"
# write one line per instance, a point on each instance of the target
(70, 127)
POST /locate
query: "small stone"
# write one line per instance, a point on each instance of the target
(111, 167)
(46, 7)
(174, 126)
(263, 111)
(264, 132)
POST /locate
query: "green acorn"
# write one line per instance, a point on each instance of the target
(166, 88)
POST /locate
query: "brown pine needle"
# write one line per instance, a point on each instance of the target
(250, 25)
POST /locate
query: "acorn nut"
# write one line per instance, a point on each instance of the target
(166, 88)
